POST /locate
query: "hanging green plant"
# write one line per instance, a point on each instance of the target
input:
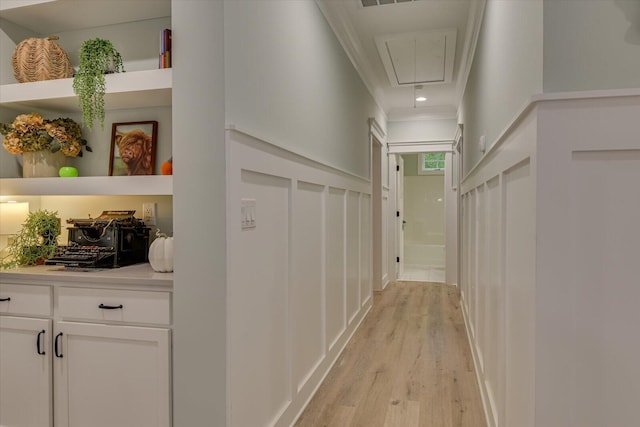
(97, 58)
(36, 241)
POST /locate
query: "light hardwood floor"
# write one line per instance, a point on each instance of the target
(408, 365)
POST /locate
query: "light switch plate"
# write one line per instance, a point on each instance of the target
(248, 213)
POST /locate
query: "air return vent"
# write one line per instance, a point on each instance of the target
(368, 3)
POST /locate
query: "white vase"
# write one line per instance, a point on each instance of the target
(41, 163)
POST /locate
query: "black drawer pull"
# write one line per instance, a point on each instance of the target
(40, 352)
(110, 307)
(55, 345)
(5, 299)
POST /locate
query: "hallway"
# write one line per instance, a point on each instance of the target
(408, 365)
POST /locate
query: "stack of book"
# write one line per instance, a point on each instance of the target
(165, 49)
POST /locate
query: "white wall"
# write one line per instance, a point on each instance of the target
(289, 82)
(591, 45)
(424, 209)
(299, 282)
(506, 71)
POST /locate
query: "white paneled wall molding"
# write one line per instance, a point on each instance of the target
(550, 244)
(299, 276)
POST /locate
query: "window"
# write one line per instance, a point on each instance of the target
(431, 162)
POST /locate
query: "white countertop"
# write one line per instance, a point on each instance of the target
(137, 274)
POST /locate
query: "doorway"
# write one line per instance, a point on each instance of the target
(421, 202)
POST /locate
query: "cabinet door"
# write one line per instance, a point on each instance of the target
(106, 375)
(25, 372)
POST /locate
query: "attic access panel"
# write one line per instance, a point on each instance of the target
(418, 58)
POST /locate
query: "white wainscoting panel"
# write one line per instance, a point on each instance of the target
(353, 254)
(550, 244)
(366, 283)
(495, 325)
(299, 282)
(307, 281)
(605, 266)
(519, 275)
(498, 280)
(587, 368)
(386, 210)
(261, 288)
(336, 264)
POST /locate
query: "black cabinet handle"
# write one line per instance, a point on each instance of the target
(110, 307)
(40, 334)
(5, 299)
(55, 346)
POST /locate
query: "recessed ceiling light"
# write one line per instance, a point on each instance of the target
(421, 99)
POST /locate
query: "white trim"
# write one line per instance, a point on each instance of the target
(457, 138)
(420, 147)
(376, 130)
(547, 97)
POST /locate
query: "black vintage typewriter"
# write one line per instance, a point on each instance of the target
(114, 239)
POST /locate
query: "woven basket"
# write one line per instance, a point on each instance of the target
(40, 59)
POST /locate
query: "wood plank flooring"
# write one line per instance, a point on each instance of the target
(408, 365)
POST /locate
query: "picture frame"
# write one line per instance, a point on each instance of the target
(133, 148)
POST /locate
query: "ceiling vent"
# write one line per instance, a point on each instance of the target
(368, 3)
(418, 58)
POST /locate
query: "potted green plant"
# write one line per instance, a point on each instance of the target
(97, 58)
(36, 241)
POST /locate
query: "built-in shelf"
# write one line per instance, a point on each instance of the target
(136, 89)
(89, 185)
(54, 16)
(129, 90)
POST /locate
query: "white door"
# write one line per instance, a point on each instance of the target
(25, 372)
(109, 376)
(400, 214)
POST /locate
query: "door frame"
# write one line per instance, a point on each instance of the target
(377, 141)
(439, 146)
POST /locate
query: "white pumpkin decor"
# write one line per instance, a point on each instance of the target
(161, 253)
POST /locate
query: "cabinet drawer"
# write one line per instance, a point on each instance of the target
(114, 305)
(30, 300)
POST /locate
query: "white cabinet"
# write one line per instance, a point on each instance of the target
(90, 355)
(25, 372)
(106, 375)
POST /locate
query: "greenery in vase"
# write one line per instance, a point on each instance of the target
(97, 58)
(36, 241)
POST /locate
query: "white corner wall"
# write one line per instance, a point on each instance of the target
(591, 45)
(549, 271)
(299, 283)
(200, 277)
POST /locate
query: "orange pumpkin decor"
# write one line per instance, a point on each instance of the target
(167, 167)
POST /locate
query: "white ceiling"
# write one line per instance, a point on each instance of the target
(358, 28)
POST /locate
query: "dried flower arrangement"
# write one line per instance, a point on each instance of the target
(31, 132)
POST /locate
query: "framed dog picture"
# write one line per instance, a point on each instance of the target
(133, 148)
